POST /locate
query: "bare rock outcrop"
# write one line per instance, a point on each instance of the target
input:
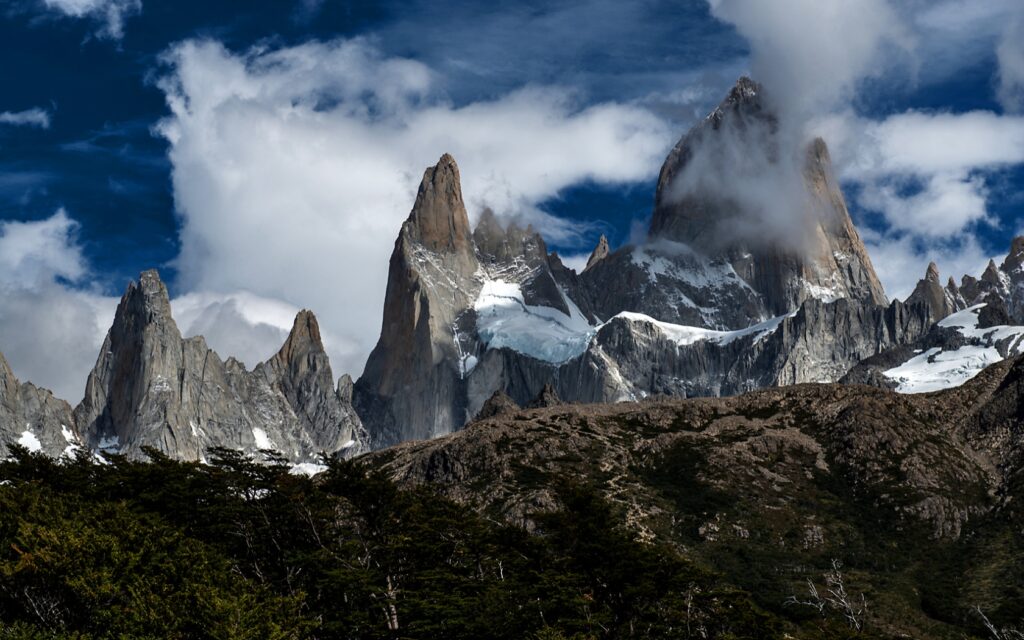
(34, 419)
(152, 388)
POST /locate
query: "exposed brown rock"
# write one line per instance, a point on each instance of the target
(498, 404)
(547, 397)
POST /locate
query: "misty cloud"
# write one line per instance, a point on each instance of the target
(925, 173)
(812, 54)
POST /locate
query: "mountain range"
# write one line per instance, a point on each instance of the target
(485, 317)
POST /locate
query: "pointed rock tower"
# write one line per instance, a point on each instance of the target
(829, 262)
(412, 386)
(931, 295)
(599, 253)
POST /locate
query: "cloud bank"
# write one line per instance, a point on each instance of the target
(293, 168)
(51, 331)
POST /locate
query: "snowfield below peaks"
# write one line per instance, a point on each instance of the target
(938, 368)
(504, 320)
(685, 336)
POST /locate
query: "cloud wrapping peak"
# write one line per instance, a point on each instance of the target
(811, 54)
(294, 168)
(111, 14)
(34, 117)
(926, 174)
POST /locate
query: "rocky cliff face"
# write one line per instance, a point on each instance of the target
(764, 485)
(33, 418)
(904, 454)
(152, 388)
(411, 386)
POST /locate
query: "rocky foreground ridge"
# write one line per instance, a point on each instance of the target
(916, 496)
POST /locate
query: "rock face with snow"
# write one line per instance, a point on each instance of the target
(34, 418)
(972, 327)
(152, 388)
(468, 315)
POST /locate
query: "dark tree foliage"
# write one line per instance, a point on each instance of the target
(235, 549)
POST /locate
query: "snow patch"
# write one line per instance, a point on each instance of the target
(263, 441)
(684, 336)
(307, 469)
(680, 262)
(30, 441)
(73, 444)
(937, 369)
(504, 320)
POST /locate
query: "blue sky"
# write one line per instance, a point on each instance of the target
(263, 154)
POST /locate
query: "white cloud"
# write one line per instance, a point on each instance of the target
(35, 117)
(925, 172)
(49, 331)
(945, 205)
(111, 14)
(33, 253)
(294, 168)
(935, 142)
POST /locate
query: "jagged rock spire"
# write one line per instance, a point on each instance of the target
(438, 220)
(34, 418)
(547, 397)
(991, 275)
(152, 388)
(303, 340)
(410, 386)
(498, 404)
(939, 301)
(599, 253)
